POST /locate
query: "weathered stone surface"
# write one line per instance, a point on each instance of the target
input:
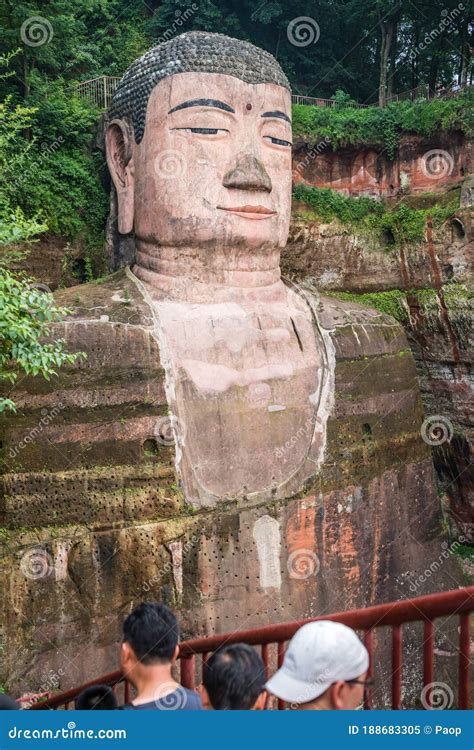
(335, 258)
(111, 530)
(420, 164)
(439, 332)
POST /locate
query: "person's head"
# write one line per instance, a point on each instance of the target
(199, 127)
(7, 703)
(150, 639)
(96, 698)
(325, 667)
(234, 679)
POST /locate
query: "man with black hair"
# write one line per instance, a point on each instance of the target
(149, 651)
(234, 679)
(96, 698)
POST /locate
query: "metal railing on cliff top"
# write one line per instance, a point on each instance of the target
(424, 609)
(100, 91)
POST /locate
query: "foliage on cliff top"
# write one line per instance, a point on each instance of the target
(393, 301)
(400, 224)
(383, 127)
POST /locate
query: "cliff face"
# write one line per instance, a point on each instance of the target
(425, 285)
(94, 519)
(420, 164)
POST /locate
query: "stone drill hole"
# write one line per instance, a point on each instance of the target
(458, 230)
(366, 432)
(150, 447)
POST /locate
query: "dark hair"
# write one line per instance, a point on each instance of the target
(191, 52)
(234, 677)
(152, 631)
(96, 698)
(7, 703)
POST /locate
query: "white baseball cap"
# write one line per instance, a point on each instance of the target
(319, 654)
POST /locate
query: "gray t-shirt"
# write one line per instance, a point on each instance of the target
(181, 699)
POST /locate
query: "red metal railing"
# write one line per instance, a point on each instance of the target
(425, 609)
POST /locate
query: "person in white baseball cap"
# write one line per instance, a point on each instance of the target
(325, 667)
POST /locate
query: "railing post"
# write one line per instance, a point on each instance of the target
(188, 672)
(464, 661)
(396, 666)
(428, 653)
(280, 657)
(368, 641)
(105, 92)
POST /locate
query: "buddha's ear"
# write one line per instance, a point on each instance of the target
(119, 149)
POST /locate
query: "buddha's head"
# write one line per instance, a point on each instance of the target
(199, 145)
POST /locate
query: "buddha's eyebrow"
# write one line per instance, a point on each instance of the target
(278, 114)
(203, 103)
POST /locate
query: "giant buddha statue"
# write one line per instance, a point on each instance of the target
(237, 446)
(199, 149)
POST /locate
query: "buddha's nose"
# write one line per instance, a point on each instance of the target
(248, 173)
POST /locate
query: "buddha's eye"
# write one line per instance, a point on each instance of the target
(203, 131)
(277, 141)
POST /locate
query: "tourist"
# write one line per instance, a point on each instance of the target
(149, 651)
(7, 703)
(96, 698)
(325, 667)
(234, 679)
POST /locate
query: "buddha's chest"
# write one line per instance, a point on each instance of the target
(244, 382)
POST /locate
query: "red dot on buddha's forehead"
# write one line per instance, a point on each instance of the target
(248, 106)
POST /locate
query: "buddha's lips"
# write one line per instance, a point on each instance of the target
(250, 212)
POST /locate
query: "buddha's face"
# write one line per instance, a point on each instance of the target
(214, 165)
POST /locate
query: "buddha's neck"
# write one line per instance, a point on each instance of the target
(195, 274)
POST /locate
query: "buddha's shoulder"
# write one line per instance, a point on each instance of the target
(117, 299)
(357, 330)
